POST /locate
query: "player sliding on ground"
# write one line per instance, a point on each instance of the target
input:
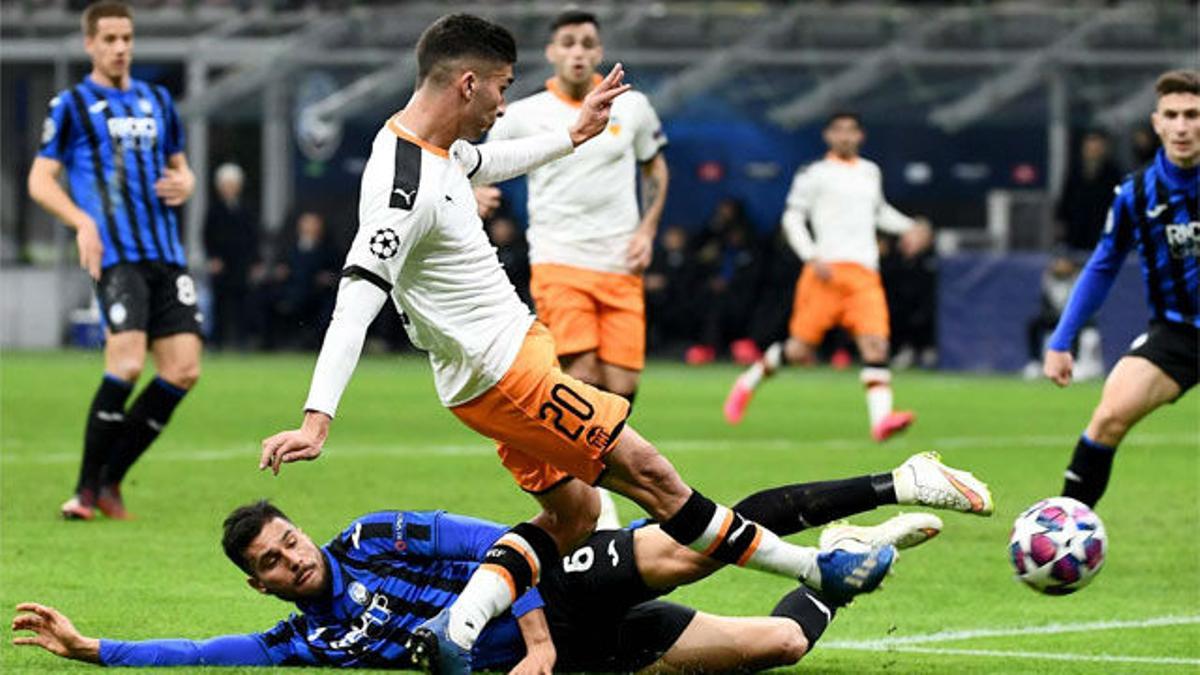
(361, 595)
(1157, 209)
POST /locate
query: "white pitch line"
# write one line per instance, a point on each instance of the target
(1049, 656)
(1048, 629)
(407, 448)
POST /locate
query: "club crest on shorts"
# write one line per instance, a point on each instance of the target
(385, 243)
(117, 314)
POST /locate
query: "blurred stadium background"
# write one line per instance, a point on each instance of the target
(976, 112)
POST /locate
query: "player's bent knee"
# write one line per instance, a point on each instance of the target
(127, 368)
(1108, 426)
(792, 645)
(184, 377)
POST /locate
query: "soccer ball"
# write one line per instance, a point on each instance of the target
(1057, 546)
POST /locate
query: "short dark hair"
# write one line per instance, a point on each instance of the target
(243, 525)
(571, 17)
(105, 9)
(1178, 82)
(456, 36)
(843, 115)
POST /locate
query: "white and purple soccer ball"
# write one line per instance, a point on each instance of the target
(1057, 546)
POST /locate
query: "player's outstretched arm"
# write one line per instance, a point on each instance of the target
(498, 161)
(358, 303)
(597, 105)
(54, 632)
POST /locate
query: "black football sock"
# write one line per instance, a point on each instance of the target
(1087, 475)
(807, 608)
(146, 419)
(106, 420)
(793, 508)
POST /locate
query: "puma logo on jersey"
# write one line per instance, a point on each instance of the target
(407, 195)
(1183, 239)
(1156, 211)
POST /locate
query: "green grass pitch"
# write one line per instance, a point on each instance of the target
(393, 446)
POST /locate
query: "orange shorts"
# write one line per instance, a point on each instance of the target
(588, 311)
(547, 425)
(853, 297)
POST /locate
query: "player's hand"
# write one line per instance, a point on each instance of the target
(1058, 366)
(298, 444)
(823, 270)
(54, 632)
(640, 251)
(175, 186)
(593, 114)
(488, 199)
(538, 661)
(91, 249)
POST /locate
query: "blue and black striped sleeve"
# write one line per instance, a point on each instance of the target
(1100, 272)
(228, 650)
(447, 536)
(56, 130)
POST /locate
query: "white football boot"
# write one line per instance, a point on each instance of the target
(902, 531)
(924, 481)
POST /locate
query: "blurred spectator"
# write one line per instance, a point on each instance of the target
(908, 265)
(1057, 281)
(231, 246)
(777, 289)
(730, 214)
(674, 286)
(1143, 143)
(736, 273)
(305, 285)
(1087, 193)
(513, 252)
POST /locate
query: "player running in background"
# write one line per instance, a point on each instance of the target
(420, 241)
(361, 595)
(841, 198)
(121, 143)
(588, 245)
(1157, 209)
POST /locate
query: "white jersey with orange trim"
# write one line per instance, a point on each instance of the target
(583, 208)
(420, 239)
(843, 201)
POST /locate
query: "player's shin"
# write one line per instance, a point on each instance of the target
(877, 379)
(1086, 477)
(106, 419)
(724, 535)
(771, 361)
(511, 567)
(807, 608)
(790, 509)
(146, 419)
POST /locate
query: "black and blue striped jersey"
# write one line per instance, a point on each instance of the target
(1156, 210)
(389, 572)
(115, 144)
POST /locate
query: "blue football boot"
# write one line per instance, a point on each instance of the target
(432, 650)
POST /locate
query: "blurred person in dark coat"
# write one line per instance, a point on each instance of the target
(231, 241)
(1086, 194)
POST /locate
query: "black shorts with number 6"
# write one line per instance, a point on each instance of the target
(602, 616)
(152, 297)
